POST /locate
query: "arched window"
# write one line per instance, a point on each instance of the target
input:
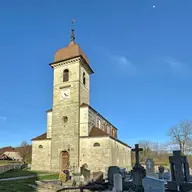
(84, 80)
(40, 146)
(96, 145)
(65, 75)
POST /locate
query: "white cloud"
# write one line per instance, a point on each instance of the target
(122, 60)
(174, 64)
(119, 60)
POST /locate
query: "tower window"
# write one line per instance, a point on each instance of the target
(40, 146)
(65, 75)
(65, 119)
(96, 145)
(84, 80)
(99, 123)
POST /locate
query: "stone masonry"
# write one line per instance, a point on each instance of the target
(76, 133)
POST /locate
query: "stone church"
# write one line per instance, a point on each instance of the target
(76, 133)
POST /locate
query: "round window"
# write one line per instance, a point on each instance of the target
(65, 119)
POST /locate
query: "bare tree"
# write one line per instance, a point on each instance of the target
(147, 149)
(181, 135)
(25, 151)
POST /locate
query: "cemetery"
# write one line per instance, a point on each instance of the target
(119, 179)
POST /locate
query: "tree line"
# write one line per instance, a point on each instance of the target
(180, 137)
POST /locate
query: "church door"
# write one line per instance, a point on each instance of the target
(64, 160)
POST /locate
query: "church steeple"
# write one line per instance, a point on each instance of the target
(73, 32)
(72, 50)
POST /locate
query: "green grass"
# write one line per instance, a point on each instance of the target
(17, 185)
(22, 185)
(16, 173)
(20, 173)
(40, 172)
(6, 162)
(49, 177)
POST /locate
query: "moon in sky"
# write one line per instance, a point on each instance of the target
(154, 6)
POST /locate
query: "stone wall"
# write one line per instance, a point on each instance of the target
(5, 168)
(93, 119)
(49, 124)
(110, 152)
(41, 155)
(84, 121)
(120, 154)
(96, 157)
(65, 135)
(84, 88)
(97, 120)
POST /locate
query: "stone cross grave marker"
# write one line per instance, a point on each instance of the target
(137, 150)
(138, 172)
(179, 170)
(150, 169)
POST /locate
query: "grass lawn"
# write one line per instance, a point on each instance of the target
(22, 185)
(49, 177)
(19, 173)
(6, 162)
(17, 186)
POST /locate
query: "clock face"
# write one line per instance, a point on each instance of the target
(65, 93)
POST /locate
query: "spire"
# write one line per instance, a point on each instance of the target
(72, 32)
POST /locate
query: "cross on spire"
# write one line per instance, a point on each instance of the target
(72, 31)
(136, 150)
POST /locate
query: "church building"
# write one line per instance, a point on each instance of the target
(76, 133)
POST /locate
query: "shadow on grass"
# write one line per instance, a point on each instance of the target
(23, 185)
(20, 185)
(17, 173)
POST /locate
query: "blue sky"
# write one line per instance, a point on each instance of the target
(141, 57)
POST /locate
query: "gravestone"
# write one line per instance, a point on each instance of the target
(111, 171)
(167, 176)
(138, 172)
(123, 172)
(150, 169)
(161, 172)
(85, 172)
(153, 185)
(179, 172)
(117, 180)
(98, 177)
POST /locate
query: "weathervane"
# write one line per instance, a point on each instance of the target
(72, 31)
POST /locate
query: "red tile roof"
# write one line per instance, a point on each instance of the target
(6, 149)
(72, 50)
(4, 157)
(41, 137)
(96, 132)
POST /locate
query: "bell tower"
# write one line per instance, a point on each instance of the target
(70, 89)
